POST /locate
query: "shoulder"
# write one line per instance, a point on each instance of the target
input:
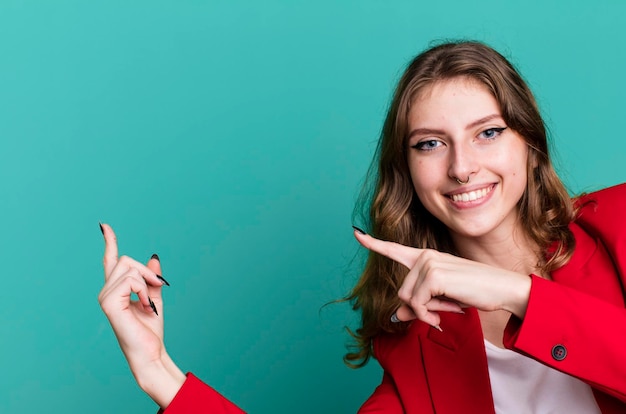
(601, 216)
(590, 202)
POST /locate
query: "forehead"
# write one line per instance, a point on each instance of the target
(458, 100)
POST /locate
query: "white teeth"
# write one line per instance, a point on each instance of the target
(472, 195)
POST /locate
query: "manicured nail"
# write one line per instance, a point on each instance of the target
(152, 306)
(394, 318)
(162, 279)
(358, 230)
(101, 228)
(437, 327)
(155, 256)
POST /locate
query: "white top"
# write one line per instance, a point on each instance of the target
(521, 385)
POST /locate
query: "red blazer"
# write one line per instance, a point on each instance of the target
(575, 323)
(579, 315)
(198, 398)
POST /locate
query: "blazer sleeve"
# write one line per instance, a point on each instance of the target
(575, 333)
(197, 397)
(578, 328)
(384, 400)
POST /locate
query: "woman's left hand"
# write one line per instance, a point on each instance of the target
(138, 324)
(442, 282)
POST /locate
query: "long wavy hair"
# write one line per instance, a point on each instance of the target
(392, 210)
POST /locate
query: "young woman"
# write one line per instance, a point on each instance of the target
(487, 289)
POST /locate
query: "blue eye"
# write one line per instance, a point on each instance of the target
(427, 145)
(491, 133)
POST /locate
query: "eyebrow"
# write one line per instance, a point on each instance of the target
(429, 131)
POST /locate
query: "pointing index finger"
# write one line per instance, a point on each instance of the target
(110, 249)
(405, 255)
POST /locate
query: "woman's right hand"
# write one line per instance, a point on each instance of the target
(138, 324)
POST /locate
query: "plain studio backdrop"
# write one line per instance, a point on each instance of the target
(231, 138)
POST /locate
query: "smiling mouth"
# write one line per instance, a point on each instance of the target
(471, 195)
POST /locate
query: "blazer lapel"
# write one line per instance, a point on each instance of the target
(456, 365)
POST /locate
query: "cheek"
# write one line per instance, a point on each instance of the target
(520, 165)
(513, 161)
(419, 175)
(517, 166)
(424, 177)
(518, 156)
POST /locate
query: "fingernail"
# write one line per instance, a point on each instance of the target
(155, 256)
(394, 318)
(437, 327)
(358, 230)
(162, 279)
(101, 229)
(152, 306)
(461, 311)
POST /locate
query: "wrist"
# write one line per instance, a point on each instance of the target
(161, 380)
(518, 301)
(172, 368)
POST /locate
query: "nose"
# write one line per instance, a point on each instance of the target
(463, 163)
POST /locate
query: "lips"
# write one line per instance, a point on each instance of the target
(471, 195)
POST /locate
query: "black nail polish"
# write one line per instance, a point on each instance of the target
(152, 306)
(162, 279)
(358, 230)
(155, 256)
(101, 229)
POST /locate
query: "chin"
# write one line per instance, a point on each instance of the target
(473, 230)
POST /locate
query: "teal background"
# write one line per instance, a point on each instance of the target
(231, 138)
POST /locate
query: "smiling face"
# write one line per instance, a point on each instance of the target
(456, 133)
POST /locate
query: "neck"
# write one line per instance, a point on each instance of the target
(512, 250)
